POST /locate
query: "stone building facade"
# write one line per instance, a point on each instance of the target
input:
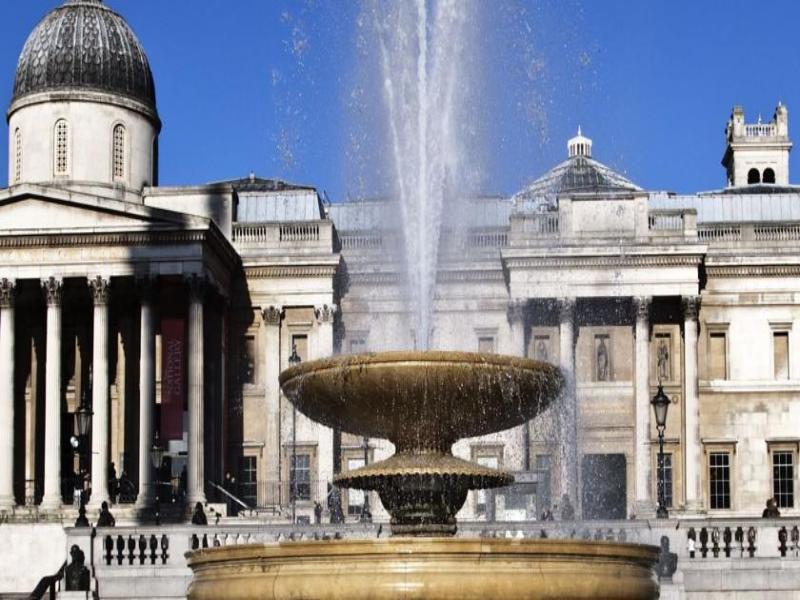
(172, 311)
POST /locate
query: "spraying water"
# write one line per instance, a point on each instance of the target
(421, 46)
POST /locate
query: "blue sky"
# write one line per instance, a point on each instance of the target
(266, 85)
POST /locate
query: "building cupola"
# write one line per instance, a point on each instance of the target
(83, 112)
(757, 153)
(579, 145)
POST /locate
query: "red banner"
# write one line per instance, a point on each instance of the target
(172, 378)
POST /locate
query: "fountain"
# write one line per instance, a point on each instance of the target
(423, 402)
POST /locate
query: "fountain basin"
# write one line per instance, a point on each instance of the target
(425, 568)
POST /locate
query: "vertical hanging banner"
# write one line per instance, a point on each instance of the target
(172, 378)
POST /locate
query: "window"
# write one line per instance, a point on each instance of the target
(486, 456)
(248, 479)
(355, 498)
(769, 176)
(358, 345)
(486, 344)
(783, 478)
(753, 176)
(780, 354)
(718, 355)
(249, 360)
(665, 479)
(299, 342)
(17, 156)
(119, 153)
(300, 477)
(719, 478)
(61, 158)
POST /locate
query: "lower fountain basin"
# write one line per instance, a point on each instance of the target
(425, 568)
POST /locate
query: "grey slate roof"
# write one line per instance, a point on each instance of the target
(84, 45)
(264, 200)
(577, 175)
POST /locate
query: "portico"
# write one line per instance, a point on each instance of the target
(76, 289)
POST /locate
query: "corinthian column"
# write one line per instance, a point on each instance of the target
(322, 349)
(196, 458)
(517, 456)
(644, 505)
(272, 369)
(52, 411)
(100, 400)
(6, 394)
(568, 459)
(694, 502)
(147, 389)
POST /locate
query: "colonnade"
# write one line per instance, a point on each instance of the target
(100, 451)
(565, 308)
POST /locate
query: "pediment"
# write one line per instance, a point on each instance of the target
(29, 214)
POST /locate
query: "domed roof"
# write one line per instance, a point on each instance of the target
(83, 45)
(579, 174)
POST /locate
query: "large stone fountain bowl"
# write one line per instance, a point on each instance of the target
(422, 400)
(424, 568)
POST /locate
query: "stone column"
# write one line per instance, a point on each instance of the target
(691, 440)
(272, 392)
(147, 389)
(52, 410)
(517, 455)
(7, 291)
(100, 398)
(196, 452)
(568, 459)
(324, 348)
(643, 502)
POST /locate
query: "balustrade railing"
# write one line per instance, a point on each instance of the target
(277, 234)
(761, 130)
(666, 220)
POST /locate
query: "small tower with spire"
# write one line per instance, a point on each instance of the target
(579, 145)
(757, 153)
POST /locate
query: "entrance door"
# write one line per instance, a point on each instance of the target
(604, 485)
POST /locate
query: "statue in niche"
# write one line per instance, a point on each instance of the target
(602, 360)
(541, 350)
(662, 358)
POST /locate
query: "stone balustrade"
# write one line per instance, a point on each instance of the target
(315, 235)
(726, 233)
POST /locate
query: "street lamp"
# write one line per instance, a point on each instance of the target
(366, 515)
(660, 404)
(83, 424)
(156, 457)
(294, 360)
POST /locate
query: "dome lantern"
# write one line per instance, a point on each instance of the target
(579, 145)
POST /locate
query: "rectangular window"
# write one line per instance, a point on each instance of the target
(249, 360)
(719, 478)
(355, 498)
(300, 343)
(486, 344)
(248, 479)
(300, 477)
(780, 354)
(783, 478)
(665, 479)
(486, 457)
(358, 345)
(718, 355)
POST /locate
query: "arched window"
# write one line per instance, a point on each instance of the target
(769, 176)
(753, 176)
(17, 155)
(61, 145)
(119, 153)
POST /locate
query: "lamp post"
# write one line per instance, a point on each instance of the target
(366, 515)
(83, 424)
(294, 360)
(156, 457)
(660, 404)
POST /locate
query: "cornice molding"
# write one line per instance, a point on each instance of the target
(562, 262)
(276, 271)
(753, 271)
